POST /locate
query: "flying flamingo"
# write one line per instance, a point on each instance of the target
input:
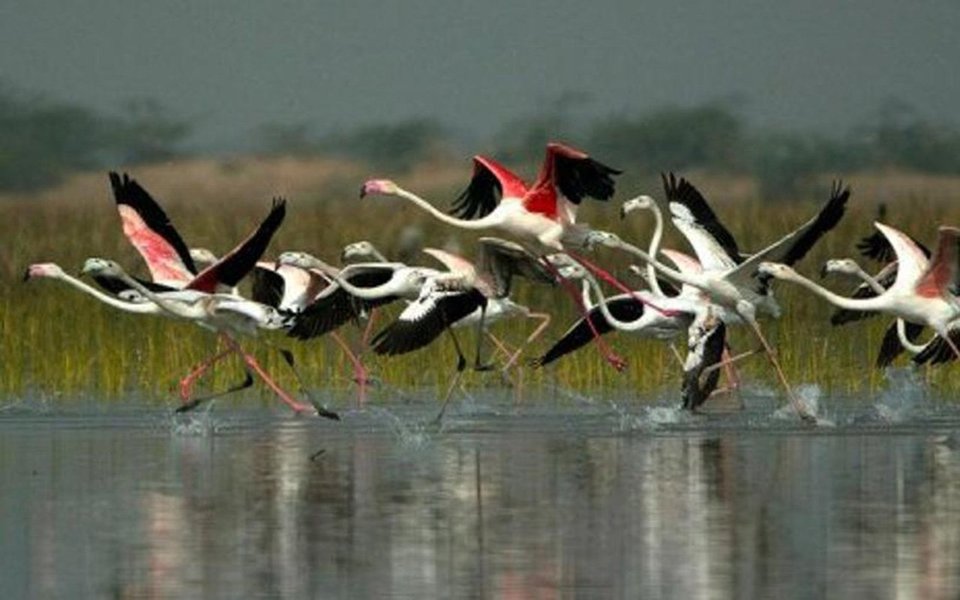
(922, 293)
(729, 279)
(692, 313)
(900, 335)
(226, 314)
(543, 214)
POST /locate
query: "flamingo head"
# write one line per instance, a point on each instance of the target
(601, 238)
(845, 266)
(775, 270)
(358, 250)
(643, 202)
(293, 258)
(42, 270)
(100, 266)
(383, 187)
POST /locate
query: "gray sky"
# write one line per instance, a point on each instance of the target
(337, 63)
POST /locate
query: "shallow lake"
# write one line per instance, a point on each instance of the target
(548, 499)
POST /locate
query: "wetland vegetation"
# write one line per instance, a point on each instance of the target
(59, 343)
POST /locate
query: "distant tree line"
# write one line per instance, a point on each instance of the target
(41, 140)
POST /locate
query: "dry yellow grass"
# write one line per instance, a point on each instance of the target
(55, 341)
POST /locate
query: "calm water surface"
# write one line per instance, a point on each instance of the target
(588, 500)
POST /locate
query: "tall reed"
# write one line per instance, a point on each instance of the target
(57, 343)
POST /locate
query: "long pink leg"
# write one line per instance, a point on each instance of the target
(253, 364)
(772, 357)
(606, 276)
(608, 354)
(733, 376)
(371, 319)
(359, 371)
(545, 318)
(501, 346)
(187, 383)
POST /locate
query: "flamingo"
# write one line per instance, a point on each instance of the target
(362, 251)
(356, 288)
(922, 293)
(484, 289)
(543, 214)
(171, 264)
(226, 314)
(691, 313)
(729, 279)
(900, 335)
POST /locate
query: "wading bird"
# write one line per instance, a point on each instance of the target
(729, 279)
(923, 293)
(226, 314)
(900, 335)
(542, 215)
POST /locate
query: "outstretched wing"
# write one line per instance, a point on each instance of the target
(714, 245)
(491, 181)
(578, 176)
(234, 266)
(942, 276)
(795, 245)
(425, 319)
(150, 231)
(335, 306)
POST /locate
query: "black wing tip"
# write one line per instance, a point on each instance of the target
(585, 177)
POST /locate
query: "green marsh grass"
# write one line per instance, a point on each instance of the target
(58, 343)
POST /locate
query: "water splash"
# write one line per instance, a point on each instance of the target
(651, 418)
(195, 424)
(905, 392)
(413, 435)
(808, 397)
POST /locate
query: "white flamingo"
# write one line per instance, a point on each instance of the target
(226, 314)
(729, 279)
(923, 293)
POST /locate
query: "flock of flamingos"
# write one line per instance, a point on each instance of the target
(700, 295)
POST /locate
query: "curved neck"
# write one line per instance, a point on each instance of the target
(673, 274)
(482, 223)
(585, 294)
(863, 304)
(362, 293)
(604, 310)
(905, 341)
(144, 308)
(654, 248)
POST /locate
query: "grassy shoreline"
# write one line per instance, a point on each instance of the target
(58, 342)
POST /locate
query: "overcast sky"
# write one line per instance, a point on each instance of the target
(338, 63)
